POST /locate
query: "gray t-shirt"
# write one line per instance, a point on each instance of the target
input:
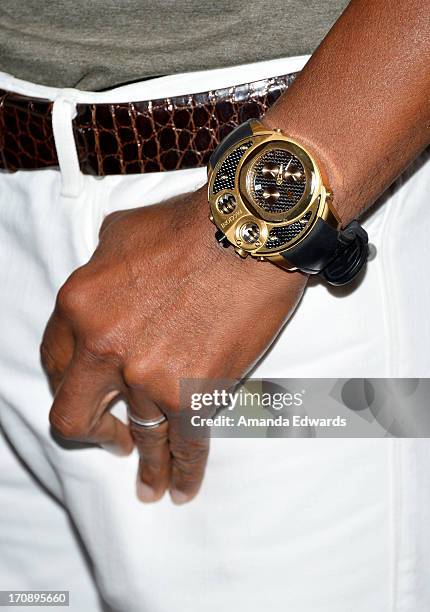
(96, 44)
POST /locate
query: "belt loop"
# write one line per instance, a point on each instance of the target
(63, 113)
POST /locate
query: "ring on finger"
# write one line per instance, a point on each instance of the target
(147, 423)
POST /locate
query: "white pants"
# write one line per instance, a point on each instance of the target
(313, 525)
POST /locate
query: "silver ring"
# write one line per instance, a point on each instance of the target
(149, 423)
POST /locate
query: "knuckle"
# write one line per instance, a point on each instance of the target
(148, 374)
(67, 427)
(171, 403)
(158, 379)
(109, 220)
(170, 396)
(99, 346)
(74, 295)
(47, 359)
(135, 374)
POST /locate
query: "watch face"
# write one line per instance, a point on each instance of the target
(277, 182)
(265, 194)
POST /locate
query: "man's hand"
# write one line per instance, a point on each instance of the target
(158, 301)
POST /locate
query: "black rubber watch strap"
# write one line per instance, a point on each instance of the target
(241, 131)
(351, 255)
(337, 256)
(313, 253)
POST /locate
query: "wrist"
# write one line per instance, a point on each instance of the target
(332, 172)
(262, 274)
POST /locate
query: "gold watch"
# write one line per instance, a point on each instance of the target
(268, 199)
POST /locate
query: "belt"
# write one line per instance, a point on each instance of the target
(134, 137)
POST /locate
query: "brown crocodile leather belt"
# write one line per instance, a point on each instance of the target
(134, 137)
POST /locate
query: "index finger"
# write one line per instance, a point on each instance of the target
(56, 349)
(79, 411)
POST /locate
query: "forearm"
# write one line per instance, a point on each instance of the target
(362, 103)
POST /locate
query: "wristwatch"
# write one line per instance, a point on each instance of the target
(268, 199)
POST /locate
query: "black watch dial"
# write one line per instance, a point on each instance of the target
(277, 183)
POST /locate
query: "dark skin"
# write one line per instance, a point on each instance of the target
(145, 311)
(152, 333)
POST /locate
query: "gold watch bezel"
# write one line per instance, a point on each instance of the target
(315, 199)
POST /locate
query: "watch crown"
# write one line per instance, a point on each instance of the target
(222, 239)
(211, 218)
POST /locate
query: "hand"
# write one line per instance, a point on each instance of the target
(159, 300)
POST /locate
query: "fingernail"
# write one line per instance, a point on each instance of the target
(178, 497)
(144, 492)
